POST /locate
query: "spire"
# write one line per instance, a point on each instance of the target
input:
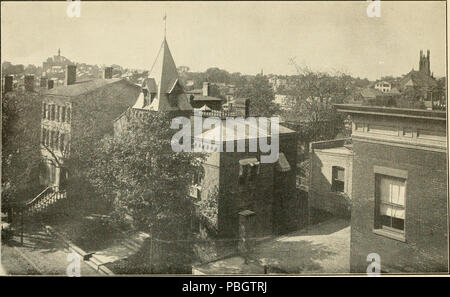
(59, 52)
(164, 85)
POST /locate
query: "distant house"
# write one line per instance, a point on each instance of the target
(399, 189)
(281, 100)
(198, 98)
(383, 86)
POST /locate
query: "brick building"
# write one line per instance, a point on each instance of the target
(330, 187)
(399, 193)
(65, 109)
(235, 181)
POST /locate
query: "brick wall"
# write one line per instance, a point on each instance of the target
(259, 197)
(321, 194)
(426, 234)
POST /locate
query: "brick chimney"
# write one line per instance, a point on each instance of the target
(50, 84)
(206, 88)
(29, 83)
(43, 82)
(71, 75)
(108, 73)
(8, 87)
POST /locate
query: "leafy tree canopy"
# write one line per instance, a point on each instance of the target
(20, 145)
(260, 93)
(143, 178)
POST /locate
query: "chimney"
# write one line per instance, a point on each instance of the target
(29, 83)
(50, 84)
(206, 88)
(8, 83)
(43, 83)
(71, 75)
(108, 73)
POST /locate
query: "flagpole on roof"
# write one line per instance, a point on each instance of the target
(164, 19)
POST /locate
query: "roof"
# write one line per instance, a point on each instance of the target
(371, 93)
(417, 78)
(82, 87)
(342, 150)
(392, 112)
(163, 78)
(226, 134)
(195, 91)
(206, 98)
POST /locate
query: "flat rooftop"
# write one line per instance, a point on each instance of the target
(392, 112)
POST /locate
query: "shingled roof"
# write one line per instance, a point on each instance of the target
(417, 79)
(82, 87)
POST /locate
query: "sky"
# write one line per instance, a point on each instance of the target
(244, 37)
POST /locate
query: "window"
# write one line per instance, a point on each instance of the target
(44, 136)
(196, 189)
(63, 114)
(243, 173)
(338, 179)
(52, 174)
(248, 170)
(52, 139)
(61, 142)
(52, 112)
(57, 113)
(390, 199)
(56, 140)
(68, 115)
(44, 110)
(254, 171)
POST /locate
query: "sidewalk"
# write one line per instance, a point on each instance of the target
(40, 254)
(320, 248)
(317, 249)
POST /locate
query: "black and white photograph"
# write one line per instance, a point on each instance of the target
(228, 138)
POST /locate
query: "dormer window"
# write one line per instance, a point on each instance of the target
(248, 170)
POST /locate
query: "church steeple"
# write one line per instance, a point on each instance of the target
(424, 63)
(162, 90)
(59, 52)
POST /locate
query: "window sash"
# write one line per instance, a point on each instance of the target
(391, 195)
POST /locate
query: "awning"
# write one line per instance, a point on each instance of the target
(248, 161)
(283, 164)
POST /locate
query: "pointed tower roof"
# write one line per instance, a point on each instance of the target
(163, 85)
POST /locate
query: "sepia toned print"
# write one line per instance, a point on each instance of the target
(224, 138)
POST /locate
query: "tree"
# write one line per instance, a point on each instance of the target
(261, 96)
(8, 68)
(311, 98)
(20, 146)
(146, 182)
(217, 75)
